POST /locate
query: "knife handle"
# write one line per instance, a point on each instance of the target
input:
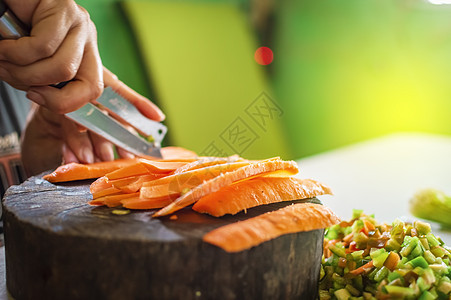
(12, 28)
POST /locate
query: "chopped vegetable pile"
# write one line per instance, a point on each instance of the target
(366, 260)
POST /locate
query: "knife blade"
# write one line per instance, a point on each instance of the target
(93, 118)
(123, 110)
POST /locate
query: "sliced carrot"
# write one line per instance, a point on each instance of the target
(113, 200)
(135, 169)
(177, 153)
(99, 184)
(392, 260)
(203, 162)
(223, 180)
(175, 184)
(75, 171)
(105, 192)
(362, 269)
(135, 185)
(142, 203)
(258, 191)
(161, 166)
(246, 234)
(96, 202)
(121, 182)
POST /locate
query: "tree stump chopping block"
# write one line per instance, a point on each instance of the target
(59, 247)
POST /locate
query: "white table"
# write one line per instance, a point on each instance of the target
(379, 176)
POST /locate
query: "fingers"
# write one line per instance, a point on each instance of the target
(78, 142)
(123, 153)
(50, 22)
(62, 66)
(144, 105)
(104, 150)
(86, 86)
(62, 46)
(68, 155)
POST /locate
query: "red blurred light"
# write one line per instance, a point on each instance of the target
(264, 56)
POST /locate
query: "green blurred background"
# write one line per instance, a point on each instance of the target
(343, 71)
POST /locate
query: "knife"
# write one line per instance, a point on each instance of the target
(93, 118)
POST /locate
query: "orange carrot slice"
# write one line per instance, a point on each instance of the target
(135, 169)
(99, 184)
(161, 166)
(112, 200)
(203, 162)
(258, 191)
(121, 182)
(177, 153)
(144, 167)
(105, 192)
(216, 183)
(75, 171)
(136, 184)
(175, 184)
(363, 268)
(254, 231)
(141, 203)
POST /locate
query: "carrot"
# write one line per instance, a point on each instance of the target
(392, 261)
(161, 167)
(135, 169)
(203, 162)
(99, 184)
(113, 200)
(142, 203)
(108, 191)
(135, 185)
(299, 217)
(75, 171)
(177, 153)
(362, 269)
(121, 182)
(258, 191)
(216, 183)
(176, 183)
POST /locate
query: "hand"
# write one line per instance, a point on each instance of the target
(62, 46)
(50, 139)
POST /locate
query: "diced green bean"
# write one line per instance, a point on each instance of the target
(422, 227)
(430, 258)
(433, 242)
(357, 255)
(399, 291)
(342, 294)
(410, 245)
(427, 296)
(381, 274)
(352, 290)
(393, 275)
(337, 250)
(444, 287)
(356, 213)
(424, 243)
(379, 256)
(419, 262)
(438, 251)
(392, 245)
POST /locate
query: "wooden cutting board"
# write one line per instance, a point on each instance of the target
(59, 247)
